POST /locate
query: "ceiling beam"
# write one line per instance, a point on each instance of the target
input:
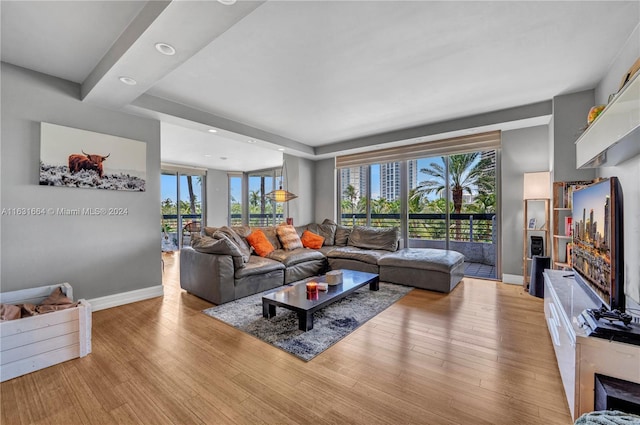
(187, 26)
(166, 107)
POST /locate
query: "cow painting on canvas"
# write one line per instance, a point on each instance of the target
(86, 161)
(61, 164)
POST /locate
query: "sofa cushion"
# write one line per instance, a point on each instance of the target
(242, 231)
(221, 245)
(260, 243)
(300, 229)
(325, 249)
(258, 265)
(272, 236)
(311, 240)
(342, 235)
(327, 231)
(236, 239)
(440, 260)
(295, 256)
(209, 231)
(288, 237)
(375, 238)
(370, 256)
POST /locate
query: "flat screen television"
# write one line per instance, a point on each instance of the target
(597, 254)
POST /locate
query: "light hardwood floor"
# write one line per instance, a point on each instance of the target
(480, 355)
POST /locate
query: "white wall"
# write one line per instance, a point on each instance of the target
(97, 255)
(627, 172)
(325, 193)
(569, 120)
(217, 198)
(300, 178)
(523, 151)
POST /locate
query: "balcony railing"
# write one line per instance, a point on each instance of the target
(171, 220)
(466, 227)
(258, 220)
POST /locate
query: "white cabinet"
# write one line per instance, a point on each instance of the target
(579, 356)
(613, 137)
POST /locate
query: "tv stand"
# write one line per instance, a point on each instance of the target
(580, 356)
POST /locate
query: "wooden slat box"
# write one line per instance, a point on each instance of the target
(33, 343)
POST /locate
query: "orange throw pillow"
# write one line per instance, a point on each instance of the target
(311, 240)
(261, 245)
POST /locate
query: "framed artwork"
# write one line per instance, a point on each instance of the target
(532, 224)
(72, 157)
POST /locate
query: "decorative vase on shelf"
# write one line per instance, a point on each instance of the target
(594, 112)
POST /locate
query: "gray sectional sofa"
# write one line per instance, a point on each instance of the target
(220, 266)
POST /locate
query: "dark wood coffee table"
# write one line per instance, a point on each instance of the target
(294, 297)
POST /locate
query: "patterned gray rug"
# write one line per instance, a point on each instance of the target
(331, 323)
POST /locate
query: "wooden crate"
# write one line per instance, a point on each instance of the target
(33, 343)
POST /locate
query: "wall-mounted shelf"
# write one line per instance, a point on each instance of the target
(613, 137)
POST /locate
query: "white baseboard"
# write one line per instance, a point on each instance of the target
(123, 298)
(513, 279)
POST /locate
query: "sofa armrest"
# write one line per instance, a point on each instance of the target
(208, 276)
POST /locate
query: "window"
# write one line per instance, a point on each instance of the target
(440, 194)
(247, 202)
(354, 189)
(235, 199)
(182, 205)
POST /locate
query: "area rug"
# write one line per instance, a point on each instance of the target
(330, 324)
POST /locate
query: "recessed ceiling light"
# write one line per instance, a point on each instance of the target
(213, 130)
(227, 2)
(165, 49)
(206, 155)
(251, 141)
(128, 81)
(281, 149)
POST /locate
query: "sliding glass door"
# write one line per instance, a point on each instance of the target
(182, 206)
(445, 201)
(453, 206)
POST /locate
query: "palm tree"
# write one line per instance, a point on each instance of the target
(351, 194)
(254, 198)
(466, 174)
(192, 196)
(416, 201)
(484, 203)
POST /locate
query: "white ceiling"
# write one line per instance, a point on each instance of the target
(313, 76)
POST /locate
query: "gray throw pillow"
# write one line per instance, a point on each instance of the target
(342, 235)
(221, 245)
(209, 231)
(375, 238)
(242, 245)
(272, 236)
(327, 231)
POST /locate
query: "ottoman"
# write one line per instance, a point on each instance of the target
(426, 268)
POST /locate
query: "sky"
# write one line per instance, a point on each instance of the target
(168, 187)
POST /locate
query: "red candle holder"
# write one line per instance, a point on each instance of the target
(312, 290)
